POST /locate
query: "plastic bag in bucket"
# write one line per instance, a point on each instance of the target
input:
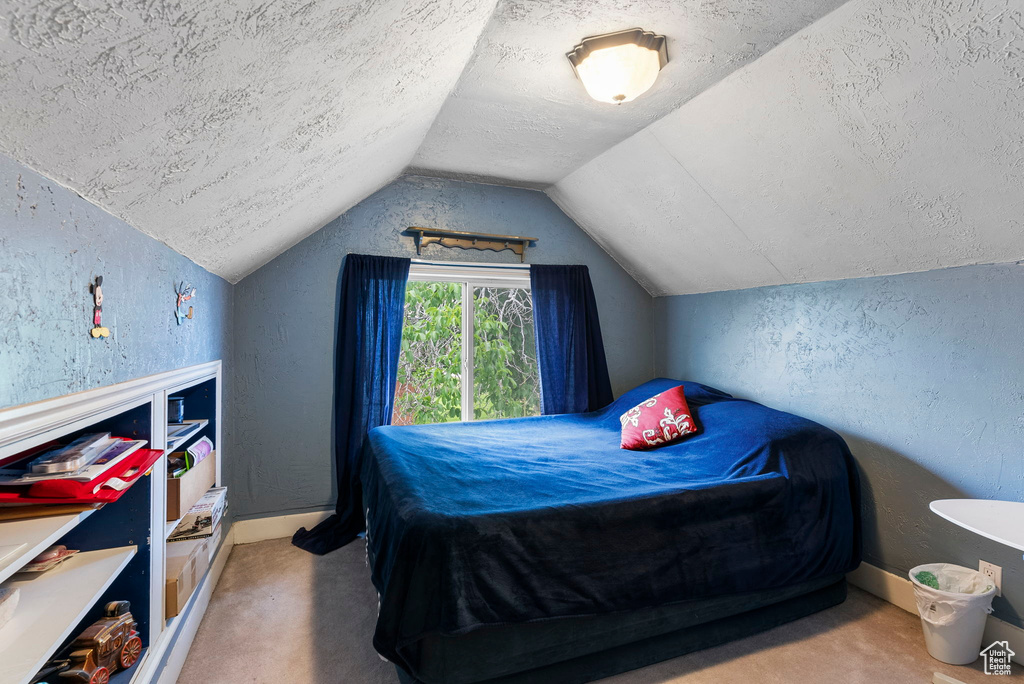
(953, 616)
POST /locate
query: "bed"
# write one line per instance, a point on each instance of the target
(536, 549)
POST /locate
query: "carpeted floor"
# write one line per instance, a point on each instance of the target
(283, 615)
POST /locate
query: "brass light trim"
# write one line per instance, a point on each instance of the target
(645, 39)
(635, 36)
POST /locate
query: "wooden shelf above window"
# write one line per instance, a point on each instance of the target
(466, 240)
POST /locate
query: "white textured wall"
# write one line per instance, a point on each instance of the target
(229, 130)
(885, 138)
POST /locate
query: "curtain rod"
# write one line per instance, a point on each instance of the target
(472, 264)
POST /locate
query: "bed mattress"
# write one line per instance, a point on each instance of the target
(488, 523)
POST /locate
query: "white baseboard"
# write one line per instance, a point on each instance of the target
(261, 529)
(899, 591)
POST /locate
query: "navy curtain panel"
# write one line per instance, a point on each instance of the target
(370, 315)
(570, 353)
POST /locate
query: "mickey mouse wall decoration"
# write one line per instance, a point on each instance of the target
(185, 293)
(97, 310)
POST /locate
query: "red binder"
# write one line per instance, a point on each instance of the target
(133, 467)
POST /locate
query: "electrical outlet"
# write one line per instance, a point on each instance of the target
(994, 573)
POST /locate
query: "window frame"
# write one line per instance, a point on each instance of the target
(470, 275)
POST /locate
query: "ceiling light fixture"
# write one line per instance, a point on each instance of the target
(619, 67)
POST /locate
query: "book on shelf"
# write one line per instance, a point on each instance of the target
(29, 511)
(177, 432)
(108, 487)
(72, 457)
(48, 559)
(204, 516)
(174, 428)
(114, 450)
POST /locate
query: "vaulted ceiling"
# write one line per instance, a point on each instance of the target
(886, 138)
(228, 129)
(785, 141)
(518, 114)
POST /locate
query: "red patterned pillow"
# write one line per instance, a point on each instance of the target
(662, 419)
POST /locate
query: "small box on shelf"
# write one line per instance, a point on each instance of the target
(183, 492)
(186, 564)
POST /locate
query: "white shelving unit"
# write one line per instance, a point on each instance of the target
(36, 535)
(51, 605)
(123, 544)
(169, 527)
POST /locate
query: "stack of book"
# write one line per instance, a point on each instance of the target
(179, 433)
(91, 470)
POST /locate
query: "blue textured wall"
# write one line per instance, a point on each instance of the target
(285, 323)
(922, 373)
(52, 245)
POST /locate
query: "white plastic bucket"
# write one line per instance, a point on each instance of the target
(953, 616)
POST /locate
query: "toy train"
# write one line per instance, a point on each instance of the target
(110, 644)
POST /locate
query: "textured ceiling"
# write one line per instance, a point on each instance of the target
(229, 130)
(518, 113)
(886, 138)
(786, 140)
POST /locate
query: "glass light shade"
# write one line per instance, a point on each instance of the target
(619, 74)
(619, 67)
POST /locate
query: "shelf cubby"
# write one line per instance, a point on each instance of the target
(121, 545)
(36, 535)
(51, 606)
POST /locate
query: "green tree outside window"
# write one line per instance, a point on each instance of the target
(505, 378)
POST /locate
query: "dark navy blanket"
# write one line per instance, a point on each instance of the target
(483, 523)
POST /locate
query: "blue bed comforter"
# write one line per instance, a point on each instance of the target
(484, 523)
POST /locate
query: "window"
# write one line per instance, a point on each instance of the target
(468, 351)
